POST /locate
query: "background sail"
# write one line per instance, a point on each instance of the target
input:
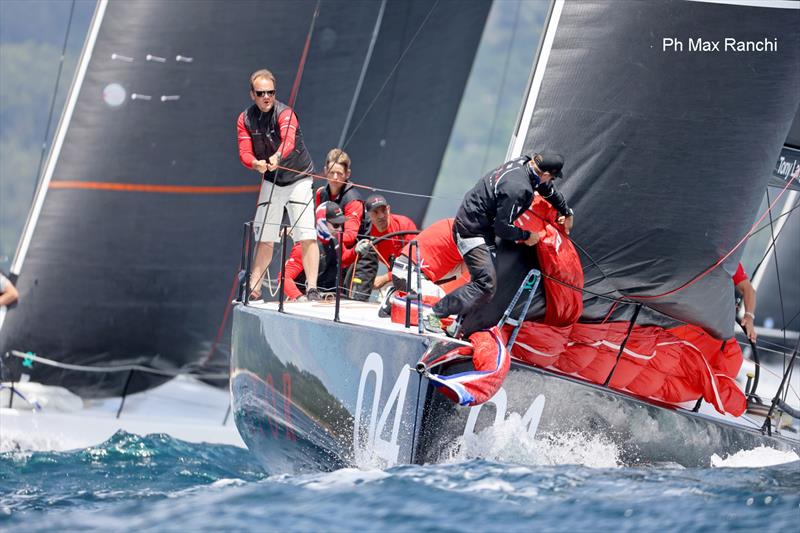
(134, 252)
(667, 152)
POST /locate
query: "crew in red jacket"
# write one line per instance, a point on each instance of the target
(373, 250)
(441, 263)
(743, 286)
(271, 143)
(341, 191)
(330, 222)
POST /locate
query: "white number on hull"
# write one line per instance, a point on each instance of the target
(376, 446)
(500, 401)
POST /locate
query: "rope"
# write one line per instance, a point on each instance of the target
(391, 73)
(368, 187)
(723, 258)
(106, 369)
(502, 85)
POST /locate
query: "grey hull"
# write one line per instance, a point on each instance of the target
(312, 394)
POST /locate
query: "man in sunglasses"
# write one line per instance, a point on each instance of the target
(330, 226)
(271, 143)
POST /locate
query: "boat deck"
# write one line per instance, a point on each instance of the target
(350, 312)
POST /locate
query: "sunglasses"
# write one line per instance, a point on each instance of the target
(265, 93)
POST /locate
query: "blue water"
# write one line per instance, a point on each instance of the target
(159, 483)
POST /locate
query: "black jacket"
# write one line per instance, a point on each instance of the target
(500, 197)
(266, 135)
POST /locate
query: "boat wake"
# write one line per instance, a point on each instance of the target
(509, 441)
(757, 457)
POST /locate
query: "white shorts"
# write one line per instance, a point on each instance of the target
(298, 201)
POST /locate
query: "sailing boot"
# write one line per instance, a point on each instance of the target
(313, 295)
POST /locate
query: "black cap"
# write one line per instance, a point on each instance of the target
(334, 213)
(375, 200)
(549, 162)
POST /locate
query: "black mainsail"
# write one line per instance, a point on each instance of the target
(132, 245)
(668, 156)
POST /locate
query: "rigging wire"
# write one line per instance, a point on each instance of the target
(391, 73)
(778, 278)
(53, 98)
(55, 91)
(721, 259)
(502, 86)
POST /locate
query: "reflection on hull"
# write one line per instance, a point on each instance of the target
(311, 394)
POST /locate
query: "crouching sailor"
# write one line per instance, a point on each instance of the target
(330, 226)
(488, 212)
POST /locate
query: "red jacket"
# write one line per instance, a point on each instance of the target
(294, 267)
(391, 247)
(437, 250)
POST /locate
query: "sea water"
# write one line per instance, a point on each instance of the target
(572, 483)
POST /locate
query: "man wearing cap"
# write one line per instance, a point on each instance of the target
(488, 212)
(330, 224)
(383, 222)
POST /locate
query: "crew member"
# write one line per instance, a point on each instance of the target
(488, 211)
(8, 292)
(441, 263)
(330, 223)
(340, 190)
(748, 293)
(271, 143)
(383, 222)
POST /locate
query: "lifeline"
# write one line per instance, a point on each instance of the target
(765, 45)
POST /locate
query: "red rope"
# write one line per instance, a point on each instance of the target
(722, 259)
(301, 67)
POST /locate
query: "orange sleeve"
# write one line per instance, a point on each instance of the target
(245, 143)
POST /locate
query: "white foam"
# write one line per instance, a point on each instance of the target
(11, 440)
(229, 482)
(761, 456)
(509, 441)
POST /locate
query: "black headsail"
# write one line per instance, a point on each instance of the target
(132, 245)
(670, 131)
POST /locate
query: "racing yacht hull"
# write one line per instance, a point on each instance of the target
(310, 393)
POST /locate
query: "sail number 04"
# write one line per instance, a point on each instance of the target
(371, 418)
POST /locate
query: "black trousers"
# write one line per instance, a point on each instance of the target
(479, 290)
(361, 276)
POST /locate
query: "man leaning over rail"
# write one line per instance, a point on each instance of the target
(330, 225)
(271, 143)
(487, 212)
